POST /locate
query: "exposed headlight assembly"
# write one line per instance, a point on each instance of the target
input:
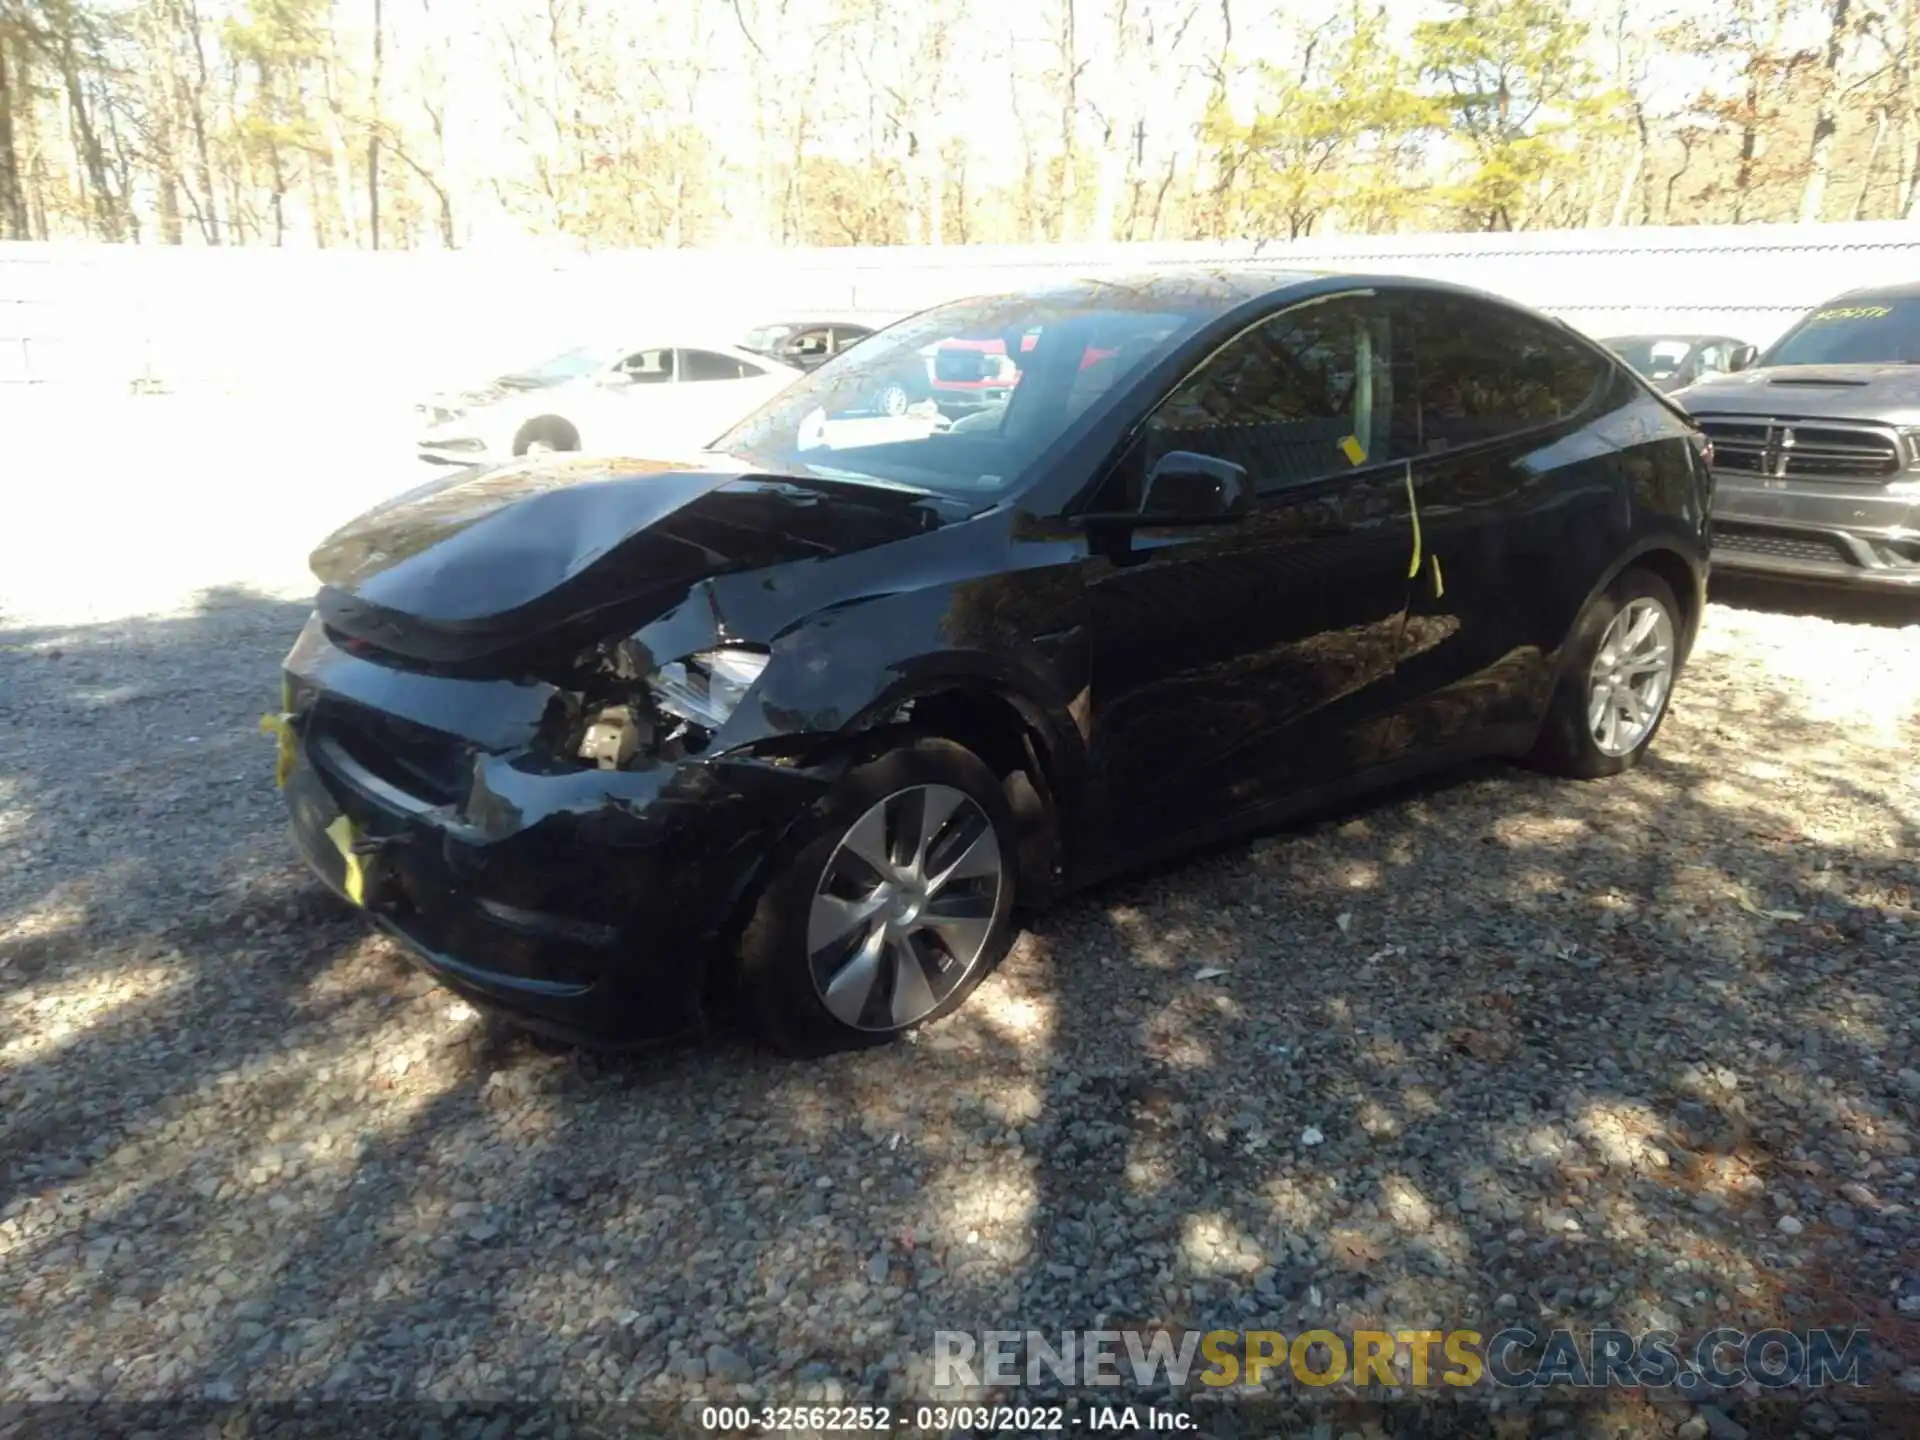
(687, 701)
(706, 689)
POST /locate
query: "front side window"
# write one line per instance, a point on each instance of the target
(1304, 395)
(705, 365)
(1485, 372)
(648, 367)
(1855, 331)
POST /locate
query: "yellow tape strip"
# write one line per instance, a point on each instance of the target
(1439, 580)
(281, 728)
(355, 880)
(1413, 504)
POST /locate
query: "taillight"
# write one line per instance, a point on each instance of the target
(1706, 453)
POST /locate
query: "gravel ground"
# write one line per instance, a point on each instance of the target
(1641, 1052)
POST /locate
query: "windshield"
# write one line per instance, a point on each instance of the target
(1859, 332)
(569, 365)
(766, 337)
(875, 413)
(1655, 359)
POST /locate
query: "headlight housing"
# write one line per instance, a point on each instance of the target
(705, 689)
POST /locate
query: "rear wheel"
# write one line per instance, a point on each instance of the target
(894, 904)
(892, 400)
(1622, 659)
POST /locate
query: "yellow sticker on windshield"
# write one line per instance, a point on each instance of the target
(1355, 452)
(1856, 312)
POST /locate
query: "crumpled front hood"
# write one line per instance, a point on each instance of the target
(1888, 393)
(486, 560)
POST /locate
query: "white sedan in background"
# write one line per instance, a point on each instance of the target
(611, 399)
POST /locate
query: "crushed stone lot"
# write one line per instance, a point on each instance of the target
(1643, 1052)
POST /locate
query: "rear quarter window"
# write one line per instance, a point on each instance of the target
(1484, 371)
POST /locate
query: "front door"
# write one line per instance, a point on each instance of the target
(1238, 665)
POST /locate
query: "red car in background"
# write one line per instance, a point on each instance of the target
(971, 374)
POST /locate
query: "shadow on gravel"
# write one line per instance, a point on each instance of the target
(1495, 1050)
(153, 938)
(1501, 1050)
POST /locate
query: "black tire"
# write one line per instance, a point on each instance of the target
(549, 432)
(776, 973)
(1567, 745)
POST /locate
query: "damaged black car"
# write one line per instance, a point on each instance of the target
(804, 724)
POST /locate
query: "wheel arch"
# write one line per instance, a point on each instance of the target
(1685, 577)
(549, 423)
(1012, 733)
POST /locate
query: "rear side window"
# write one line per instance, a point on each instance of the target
(705, 365)
(1484, 372)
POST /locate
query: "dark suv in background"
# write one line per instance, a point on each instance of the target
(805, 344)
(1817, 447)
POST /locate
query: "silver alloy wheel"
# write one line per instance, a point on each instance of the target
(1631, 675)
(894, 401)
(904, 907)
(537, 447)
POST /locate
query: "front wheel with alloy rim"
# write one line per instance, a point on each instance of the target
(895, 902)
(1622, 659)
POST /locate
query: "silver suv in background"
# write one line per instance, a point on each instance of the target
(1673, 362)
(1817, 447)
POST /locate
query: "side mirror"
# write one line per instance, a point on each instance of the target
(1744, 357)
(1185, 488)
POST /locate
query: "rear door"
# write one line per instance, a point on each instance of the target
(1241, 664)
(1495, 391)
(715, 391)
(616, 412)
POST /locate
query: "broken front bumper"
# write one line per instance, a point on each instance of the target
(1829, 533)
(586, 903)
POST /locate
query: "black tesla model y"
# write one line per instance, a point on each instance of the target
(807, 722)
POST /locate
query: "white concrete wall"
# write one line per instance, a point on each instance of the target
(351, 324)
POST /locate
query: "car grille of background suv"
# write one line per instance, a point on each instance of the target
(1803, 450)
